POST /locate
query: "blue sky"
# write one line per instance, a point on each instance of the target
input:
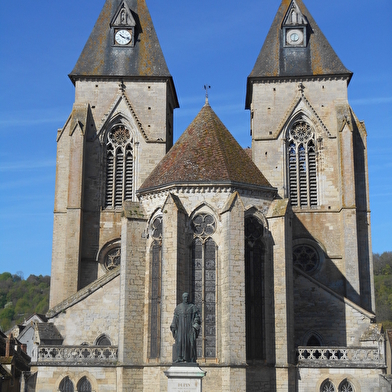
(211, 42)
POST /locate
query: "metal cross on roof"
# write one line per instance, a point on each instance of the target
(207, 87)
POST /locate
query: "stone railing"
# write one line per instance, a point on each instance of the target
(86, 355)
(340, 357)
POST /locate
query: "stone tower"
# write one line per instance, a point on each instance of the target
(120, 127)
(308, 142)
(273, 249)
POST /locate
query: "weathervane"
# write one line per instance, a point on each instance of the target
(207, 87)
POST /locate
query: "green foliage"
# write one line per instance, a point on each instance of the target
(383, 287)
(21, 298)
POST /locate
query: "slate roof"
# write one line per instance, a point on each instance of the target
(317, 59)
(100, 58)
(48, 332)
(205, 153)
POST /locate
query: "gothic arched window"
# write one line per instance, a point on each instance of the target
(203, 281)
(119, 167)
(66, 385)
(103, 341)
(301, 158)
(346, 386)
(84, 385)
(327, 386)
(254, 289)
(155, 290)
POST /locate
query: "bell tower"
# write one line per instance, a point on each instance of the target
(120, 127)
(309, 144)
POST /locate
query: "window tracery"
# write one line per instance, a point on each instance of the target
(119, 167)
(66, 385)
(84, 385)
(346, 386)
(305, 258)
(112, 259)
(327, 386)
(302, 170)
(204, 281)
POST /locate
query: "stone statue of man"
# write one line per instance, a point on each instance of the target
(185, 328)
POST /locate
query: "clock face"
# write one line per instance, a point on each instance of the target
(123, 37)
(294, 37)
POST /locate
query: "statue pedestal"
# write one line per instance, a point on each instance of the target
(185, 378)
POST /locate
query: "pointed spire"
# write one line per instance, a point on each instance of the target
(295, 47)
(142, 57)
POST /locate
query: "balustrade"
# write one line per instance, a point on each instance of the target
(340, 356)
(77, 354)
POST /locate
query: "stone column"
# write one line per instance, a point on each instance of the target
(349, 216)
(132, 291)
(231, 340)
(283, 296)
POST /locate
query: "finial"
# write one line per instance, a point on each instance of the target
(207, 87)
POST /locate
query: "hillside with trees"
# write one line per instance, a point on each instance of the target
(383, 287)
(21, 298)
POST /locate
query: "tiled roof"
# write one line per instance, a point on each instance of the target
(101, 58)
(318, 58)
(205, 153)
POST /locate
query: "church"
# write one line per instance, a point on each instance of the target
(272, 242)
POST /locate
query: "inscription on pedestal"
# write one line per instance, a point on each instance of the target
(184, 386)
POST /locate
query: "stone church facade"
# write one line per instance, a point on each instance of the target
(273, 243)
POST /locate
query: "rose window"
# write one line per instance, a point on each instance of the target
(113, 259)
(305, 258)
(119, 135)
(301, 131)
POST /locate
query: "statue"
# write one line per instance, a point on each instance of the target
(185, 328)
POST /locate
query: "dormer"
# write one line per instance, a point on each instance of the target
(122, 27)
(294, 28)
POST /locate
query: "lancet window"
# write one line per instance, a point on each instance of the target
(66, 385)
(155, 290)
(84, 385)
(204, 281)
(254, 289)
(302, 170)
(119, 167)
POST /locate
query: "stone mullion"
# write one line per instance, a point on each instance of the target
(297, 171)
(307, 173)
